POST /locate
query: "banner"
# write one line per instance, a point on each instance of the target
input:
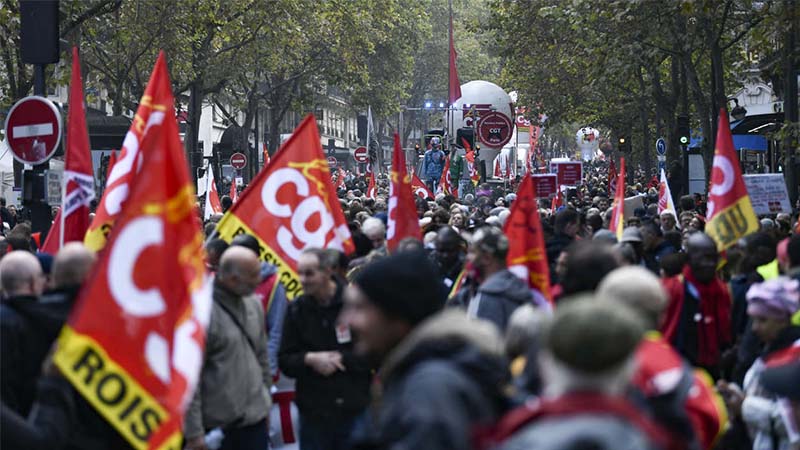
(402, 212)
(526, 256)
(119, 182)
(729, 213)
(419, 188)
(545, 184)
(618, 215)
(133, 344)
(768, 193)
(570, 173)
(291, 205)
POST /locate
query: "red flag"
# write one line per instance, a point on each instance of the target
(612, 178)
(51, 242)
(291, 205)
(266, 154)
(454, 85)
(133, 345)
(730, 213)
(445, 182)
(618, 215)
(420, 190)
(371, 191)
(78, 177)
(474, 174)
(340, 179)
(402, 212)
(526, 256)
(234, 194)
(213, 205)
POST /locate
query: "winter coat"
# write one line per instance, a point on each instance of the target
(272, 295)
(760, 410)
(496, 298)
(310, 327)
(28, 328)
(433, 164)
(440, 386)
(233, 389)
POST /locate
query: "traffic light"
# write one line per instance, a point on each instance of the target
(624, 144)
(684, 132)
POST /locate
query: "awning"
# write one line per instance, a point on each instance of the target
(753, 142)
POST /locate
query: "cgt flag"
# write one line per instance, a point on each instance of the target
(402, 221)
(618, 215)
(133, 344)
(371, 190)
(730, 213)
(291, 205)
(212, 206)
(526, 256)
(419, 188)
(120, 181)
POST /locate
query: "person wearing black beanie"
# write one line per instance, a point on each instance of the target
(441, 373)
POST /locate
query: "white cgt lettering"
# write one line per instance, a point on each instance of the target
(299, 217)
(131, 242)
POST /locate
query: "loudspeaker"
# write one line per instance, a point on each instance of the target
(39, 31)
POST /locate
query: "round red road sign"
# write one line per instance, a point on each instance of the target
(238, 160)
(494, 129)
(33, 129)
(332, 161)
(360, 154)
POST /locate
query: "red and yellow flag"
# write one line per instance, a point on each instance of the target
(291, 205)
(402, 221)
(730, 214)
(526, 257)
(133, 345)
(618, 215)
(419, 188)
(445, 181)
(119, 182)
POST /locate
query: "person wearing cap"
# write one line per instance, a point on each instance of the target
(633, 238)
(332, 382)
(681, 398)
(441, 375)
(697, 321)
(586, 362)
(492, 292)
(770, 306)
(654, 246)
(433, 164)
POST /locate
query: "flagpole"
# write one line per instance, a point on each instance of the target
(63, 203)
(449, 81)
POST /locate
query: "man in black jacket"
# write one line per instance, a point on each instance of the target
(442, 375)
(332, 383)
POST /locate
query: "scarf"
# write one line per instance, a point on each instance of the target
(714, 309)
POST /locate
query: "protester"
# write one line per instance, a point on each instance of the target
(233, 390)
(433, 164)
(583, 404)
(441, 375)
(654, 246)
(493, 292)
(698, 316)
(585, 265)
(449, 255)
(332, 389)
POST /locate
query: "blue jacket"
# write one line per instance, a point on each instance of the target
(433, 164)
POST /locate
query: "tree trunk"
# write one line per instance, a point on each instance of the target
(192, 127)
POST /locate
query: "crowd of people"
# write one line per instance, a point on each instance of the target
(652, 341)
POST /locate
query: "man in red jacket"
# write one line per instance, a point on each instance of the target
(697, 320)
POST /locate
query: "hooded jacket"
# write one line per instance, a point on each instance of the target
(496, 298)
(443, 383)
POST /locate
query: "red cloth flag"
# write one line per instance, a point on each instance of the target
(340, 179)
(73, 218)
(266, 154)
(120, 181)
(474, 174)
(213, 205)
(526, 256)
(445, 183)
(612, 178)
(402, 212)
(618, 215)
(454, 85)
(234, 194)
(371, 191)
(51, 242)
(133, 345)
(420, 189)
(291, 205)
(730, 214)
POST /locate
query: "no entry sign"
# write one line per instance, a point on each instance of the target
(238, 161)
(494, 129)
(33, 129)
(332, 161)
(546, 184)
(360, 154)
